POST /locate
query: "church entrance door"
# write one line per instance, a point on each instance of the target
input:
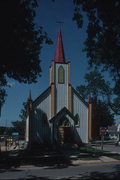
(65, 132)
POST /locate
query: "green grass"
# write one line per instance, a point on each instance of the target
(89, 158)
(116, 156)
(94, 154)
(89, 149)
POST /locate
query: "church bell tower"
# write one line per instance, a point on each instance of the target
(61, 91)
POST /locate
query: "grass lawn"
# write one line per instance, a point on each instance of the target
(94, 154)
(115, 156)
(90, 153)
(89, 149)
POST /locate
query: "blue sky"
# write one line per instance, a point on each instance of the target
(48, 13)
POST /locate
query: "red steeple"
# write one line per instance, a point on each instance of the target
(59, 54)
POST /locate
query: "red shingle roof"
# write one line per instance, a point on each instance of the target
(59, 54)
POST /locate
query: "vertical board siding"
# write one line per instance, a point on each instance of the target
(81, 109)
(61, 89)
(44, 104)
(41, 129)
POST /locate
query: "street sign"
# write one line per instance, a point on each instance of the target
(15, 134)
(103, 130)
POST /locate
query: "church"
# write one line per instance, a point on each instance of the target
(59, 114)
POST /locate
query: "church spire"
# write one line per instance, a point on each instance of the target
(59, 54)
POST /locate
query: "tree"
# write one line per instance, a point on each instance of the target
(96, 87)
(19, 126)
(101, 117)
(102, 44)
(20, 43)
(2, 130)
(23, 112)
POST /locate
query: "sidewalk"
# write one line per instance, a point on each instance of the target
(102, 159)
(70, 159)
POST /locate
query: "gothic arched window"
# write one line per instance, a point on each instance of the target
(61, 75)
(64, 122)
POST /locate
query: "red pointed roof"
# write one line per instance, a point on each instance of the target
(59, 54)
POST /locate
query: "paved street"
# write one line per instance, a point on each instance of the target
(88, 171)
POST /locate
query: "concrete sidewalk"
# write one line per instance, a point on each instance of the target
(74, 160)
(102, 159)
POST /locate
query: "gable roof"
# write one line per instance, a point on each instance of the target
(80, 97)
(42, 96)
(63, 112)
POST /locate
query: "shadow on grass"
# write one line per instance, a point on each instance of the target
(39, 158)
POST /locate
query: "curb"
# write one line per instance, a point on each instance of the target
(95, 162)
(102, 159)
(77, 162)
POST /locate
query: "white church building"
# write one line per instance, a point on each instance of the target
(59, 114)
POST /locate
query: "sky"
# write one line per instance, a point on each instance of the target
(47, 14)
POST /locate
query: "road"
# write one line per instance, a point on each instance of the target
(88, 171)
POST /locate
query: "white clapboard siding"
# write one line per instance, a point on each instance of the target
(80, 108)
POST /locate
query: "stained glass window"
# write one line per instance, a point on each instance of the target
(61, 75)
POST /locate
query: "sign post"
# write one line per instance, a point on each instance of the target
(102, 133)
